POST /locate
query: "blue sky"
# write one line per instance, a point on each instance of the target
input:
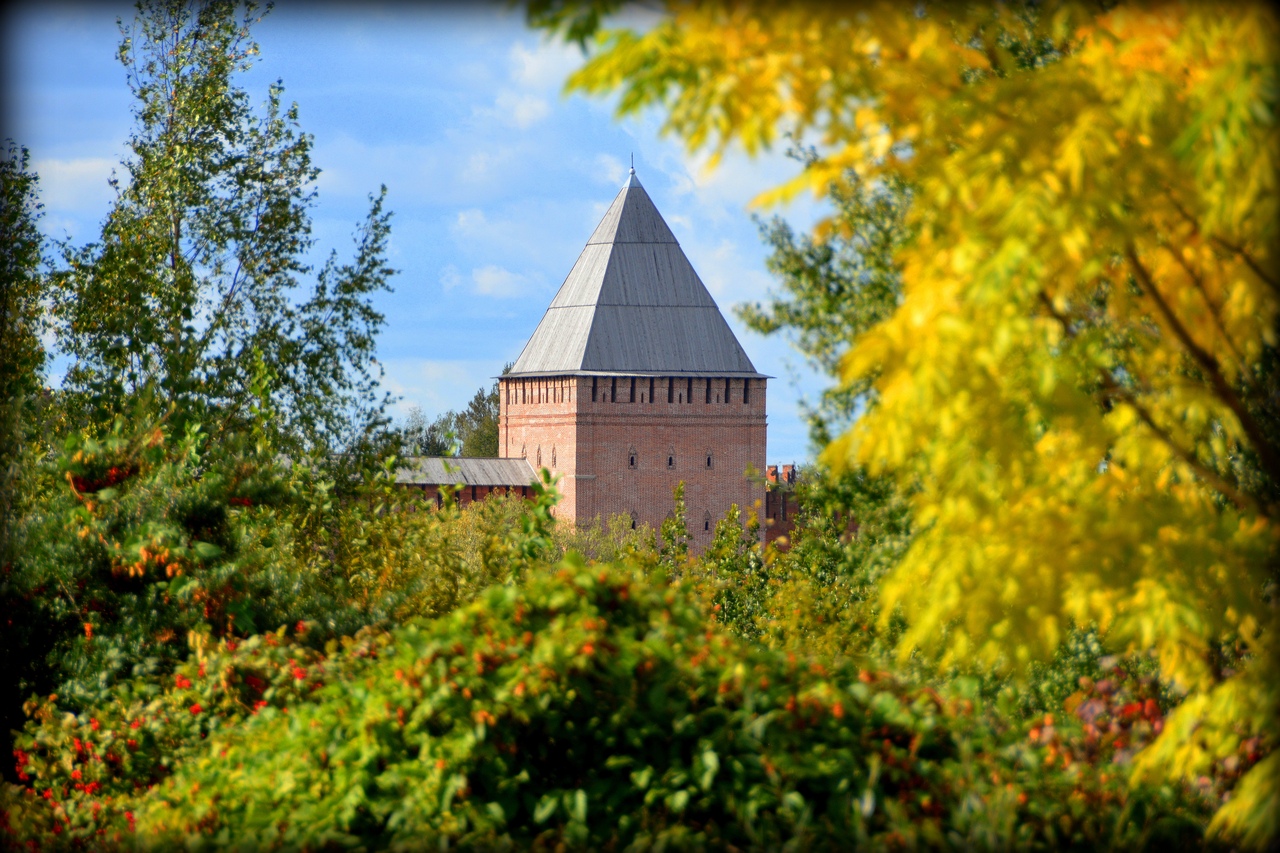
(496, 179)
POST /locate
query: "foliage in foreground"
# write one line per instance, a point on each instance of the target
(139, 541)
(1077, 390)
(586, 707)
(22, 360)
(591, 707)
(21, 355)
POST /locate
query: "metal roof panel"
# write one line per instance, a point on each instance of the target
(632, 218)
(558, 344)
(625, 337)
(582, 285)
(467, 471)
(633, 303)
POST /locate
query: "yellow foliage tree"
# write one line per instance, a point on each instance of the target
(1080, 386)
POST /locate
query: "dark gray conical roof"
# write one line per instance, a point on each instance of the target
(633, 304)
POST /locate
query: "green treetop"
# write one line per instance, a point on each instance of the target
(202, 258)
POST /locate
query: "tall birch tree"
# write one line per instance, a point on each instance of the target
(201, 275)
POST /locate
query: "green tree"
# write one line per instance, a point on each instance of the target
(853, 526)
(834, 286)
(420, 437)
(733, 575)
(477, 424)
(22, 360)
(137, 541)
(470, 432)
(673, 535)
(201, 262)
(22, 355)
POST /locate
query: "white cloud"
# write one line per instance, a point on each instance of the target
(78, 185)
(351, 168)
(478, 167)
(598, 210)
(60, 227)
(524, 233)
(448, 169)
(436, 385)
(471, 224)
(728, 270)
(609, 169)
(537, 71)
(543, 66)
(520, 110)
(731, 186)
(450, 277)
(497, 282)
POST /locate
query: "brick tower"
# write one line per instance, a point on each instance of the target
(633, 381)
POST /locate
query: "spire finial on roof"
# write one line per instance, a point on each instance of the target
(633, 162)
(633, 304)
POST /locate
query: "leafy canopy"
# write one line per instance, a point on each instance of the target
(835, 286)
(1079, 384)
(22, 356)
(202, 259)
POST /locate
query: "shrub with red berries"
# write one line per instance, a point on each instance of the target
(85, 775)
(135, 544)
(588, 708)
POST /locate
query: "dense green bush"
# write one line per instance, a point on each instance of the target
(400, 556)
(586, 707)
(601, 541)
(593, 707)
(84, 772)
(137, 540)
(732, 576)
(823, 588)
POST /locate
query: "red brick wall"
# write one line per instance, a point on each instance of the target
(594, 441)
(780, 507)
(540, 416)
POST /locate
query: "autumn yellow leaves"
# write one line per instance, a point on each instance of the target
(1079, 385)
